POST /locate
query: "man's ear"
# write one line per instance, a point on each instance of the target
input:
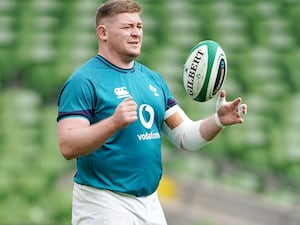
(101, 32)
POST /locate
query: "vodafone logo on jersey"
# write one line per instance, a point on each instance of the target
(145, 111)
(146, 116)
(147, 108)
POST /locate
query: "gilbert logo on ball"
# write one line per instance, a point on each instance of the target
(205, 70)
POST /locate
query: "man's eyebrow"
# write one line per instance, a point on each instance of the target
(131, 22)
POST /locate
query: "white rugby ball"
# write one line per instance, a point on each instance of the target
(204, 71)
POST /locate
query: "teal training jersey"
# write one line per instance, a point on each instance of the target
(130, 161)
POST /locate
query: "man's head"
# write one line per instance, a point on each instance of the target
(119, 30)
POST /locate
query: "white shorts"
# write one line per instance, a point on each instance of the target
(93, 206)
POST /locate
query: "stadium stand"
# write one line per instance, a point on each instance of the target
(43, 41)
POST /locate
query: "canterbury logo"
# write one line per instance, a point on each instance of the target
(121, 92)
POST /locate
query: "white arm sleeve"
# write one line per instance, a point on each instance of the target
(187, 134)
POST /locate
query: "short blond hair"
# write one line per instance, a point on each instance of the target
(113, 7)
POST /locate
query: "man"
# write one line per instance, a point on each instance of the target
(112, 111)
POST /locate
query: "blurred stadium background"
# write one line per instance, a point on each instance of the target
(250, 175)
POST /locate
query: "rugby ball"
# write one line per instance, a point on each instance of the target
(204, 71)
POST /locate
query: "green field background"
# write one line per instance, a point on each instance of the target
(43, 41)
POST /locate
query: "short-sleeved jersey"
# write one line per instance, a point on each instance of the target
(129, 161)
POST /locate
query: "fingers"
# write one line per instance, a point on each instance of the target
(223, 93)
(221, 100)
(130, 106)
(231, 112)
(128, 102)
(126, 112)
(129, 99)
(242, 110)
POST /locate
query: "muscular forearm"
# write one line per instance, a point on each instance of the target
(75, 141)
(209, 129)
(77, 137)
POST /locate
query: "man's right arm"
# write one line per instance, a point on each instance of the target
(76, 137)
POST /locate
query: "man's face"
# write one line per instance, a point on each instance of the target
(125, 34)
